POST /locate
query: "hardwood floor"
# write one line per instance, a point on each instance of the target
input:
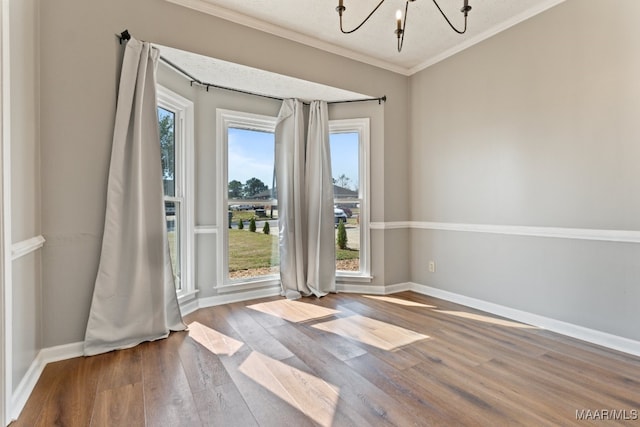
(343, 360)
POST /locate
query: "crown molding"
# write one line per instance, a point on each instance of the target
(539, 8)
(257, 24)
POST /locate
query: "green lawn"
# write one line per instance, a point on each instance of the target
(252, 250)
(347, 254)
(249, 250)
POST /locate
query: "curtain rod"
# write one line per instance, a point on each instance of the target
(125, 35)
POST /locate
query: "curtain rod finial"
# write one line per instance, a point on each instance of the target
(124, 36)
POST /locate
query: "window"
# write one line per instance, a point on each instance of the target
(349, 165)
(175, 117)
(248, 245)
(246, 171)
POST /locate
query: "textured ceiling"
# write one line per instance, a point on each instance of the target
(428, 38)
(236, 76)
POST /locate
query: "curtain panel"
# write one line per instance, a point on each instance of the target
(305, 200)
(134, 298)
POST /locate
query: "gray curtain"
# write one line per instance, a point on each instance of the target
(305, 201)
(134, 298)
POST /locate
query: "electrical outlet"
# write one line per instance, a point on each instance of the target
(432, 266)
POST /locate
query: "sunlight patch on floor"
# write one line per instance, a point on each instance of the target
(311, 395)
(293, 310)
(487, 319)
(214, 341)
(398, 301)
(373, 332)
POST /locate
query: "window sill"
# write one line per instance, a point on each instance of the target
(275, 281)
(259, 283)
(353, 278)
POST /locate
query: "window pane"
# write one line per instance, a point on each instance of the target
(346, 172)
(168, 149)
(345, 164)
(252, 210)
(172, 212)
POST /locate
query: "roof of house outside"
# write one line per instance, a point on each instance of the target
(338, 193)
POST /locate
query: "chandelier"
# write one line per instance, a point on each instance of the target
(401, 24)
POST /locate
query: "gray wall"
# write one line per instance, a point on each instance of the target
(536, 126)
(79, 68)
(25, 185)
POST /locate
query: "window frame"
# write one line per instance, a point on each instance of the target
(361, 126)
(226, 119)
(183, 109)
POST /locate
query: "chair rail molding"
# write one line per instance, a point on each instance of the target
(605, 235)
(25, 247)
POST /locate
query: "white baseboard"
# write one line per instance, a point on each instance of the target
(26, 386)
(28, 382)
(398, 287)
(62, 352)
(372, 289)
(189, 307)
(593, 336)
(238, 297)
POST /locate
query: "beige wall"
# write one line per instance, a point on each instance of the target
(25, 185)
(536, 126)
(80, 59)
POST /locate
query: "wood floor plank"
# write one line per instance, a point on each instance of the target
(168, 400)
(425, 404)
(120, 395)
(339, 347)
(341, 360)
(266, 406)
(121, 368)
(614, 383)
(200, 354)
(545, 398)
(39, 400)
(252, 333)
(223, 405)
(119, 406)
(72, 398)
(365, 398)
(217, 398)
(398, 357)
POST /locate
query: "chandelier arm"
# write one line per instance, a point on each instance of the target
(449, 22)
(404, 25)
(362, 23)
